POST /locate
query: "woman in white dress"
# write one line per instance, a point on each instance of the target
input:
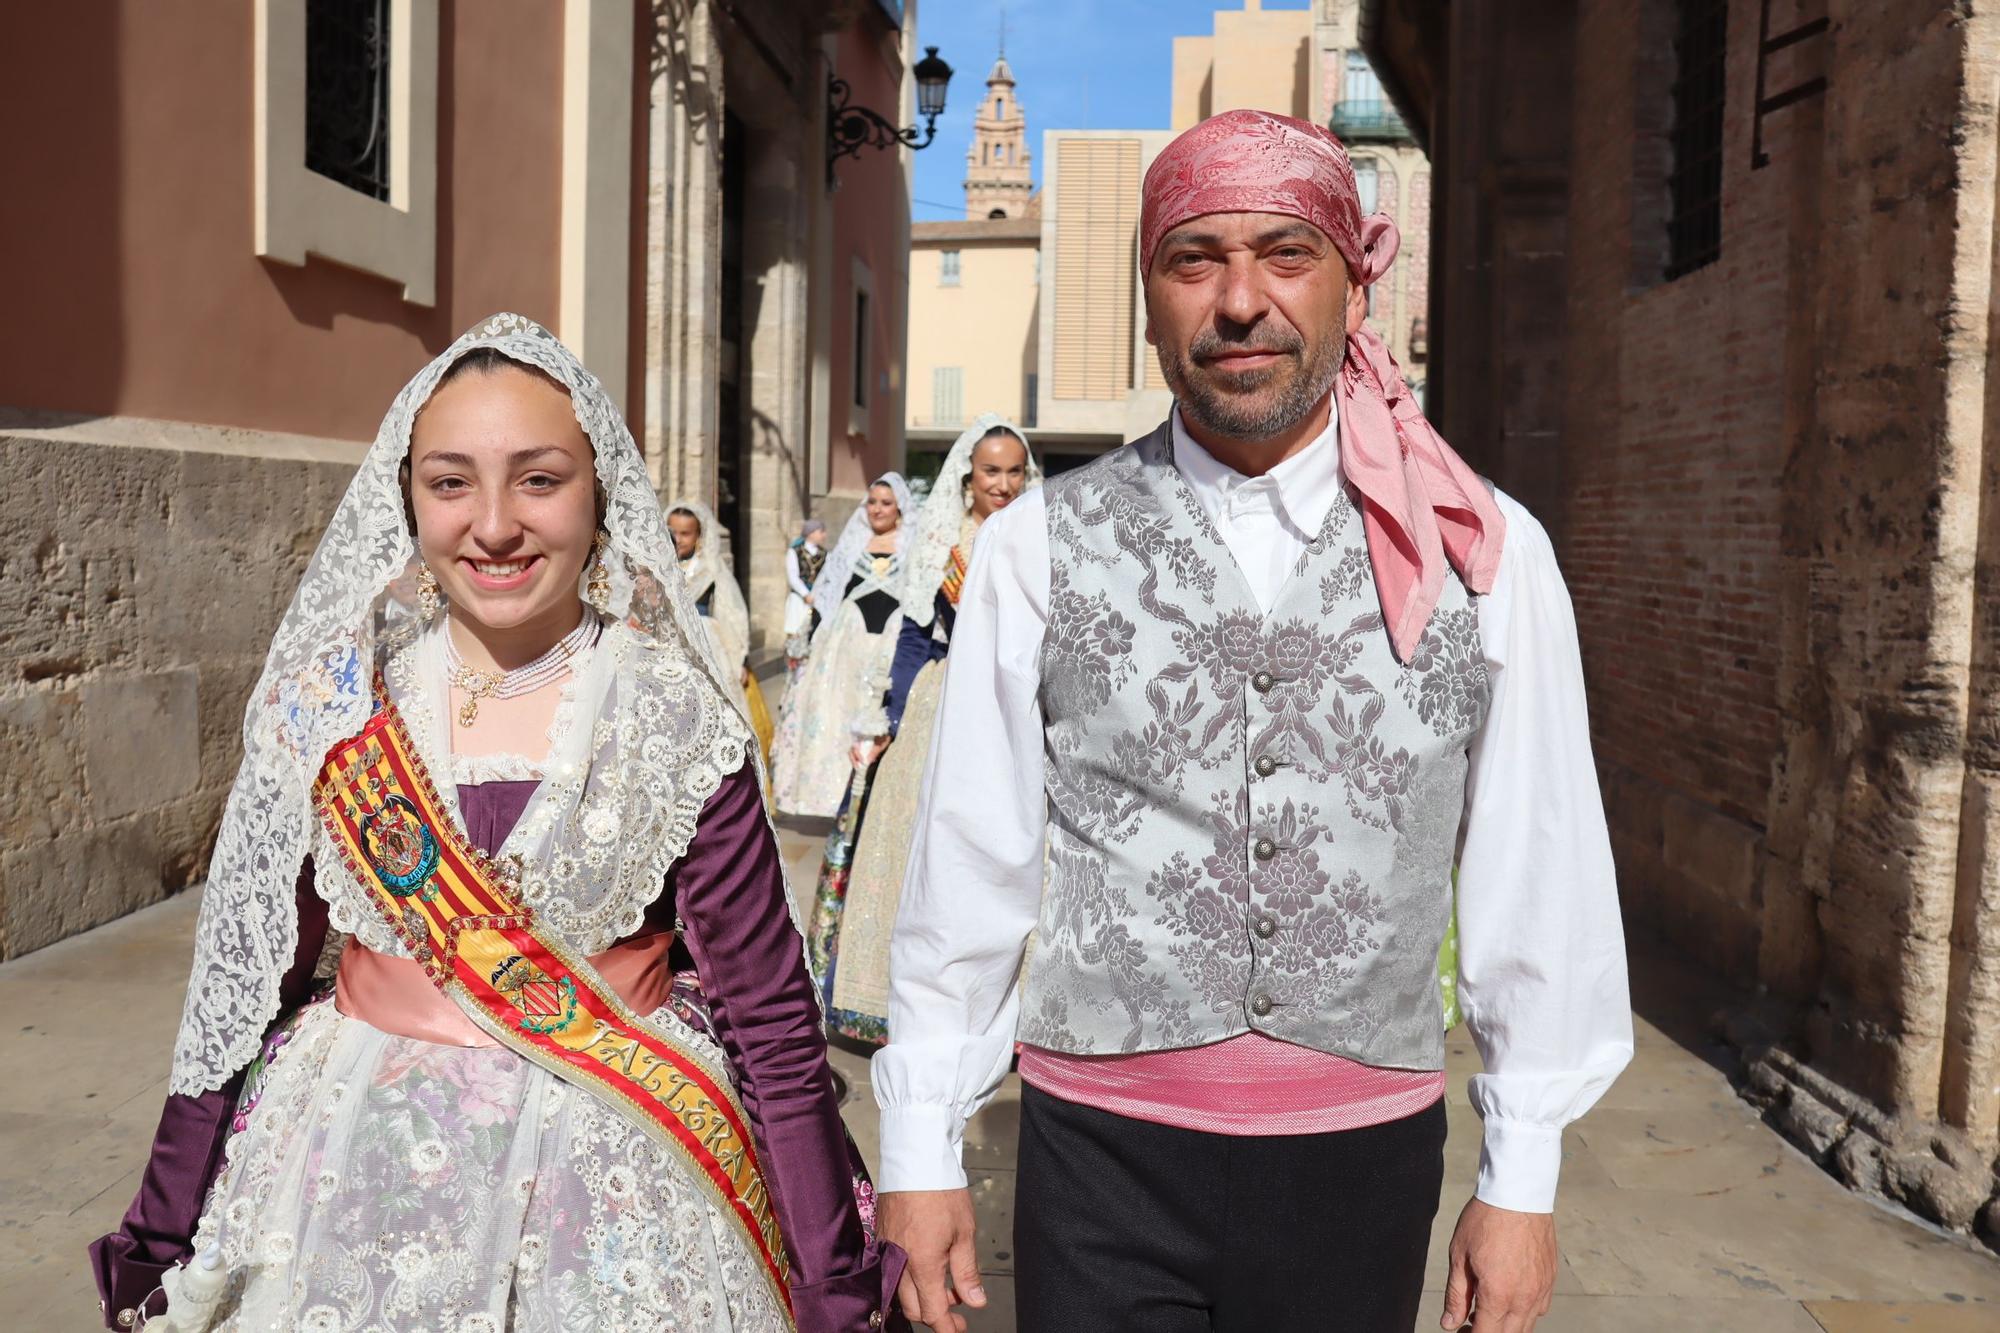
(804, 559)
(812, 759)
(719, 602)
(854, 902)
(569, 1072)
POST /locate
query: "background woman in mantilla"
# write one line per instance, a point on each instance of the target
(854, 903)
(855, 596)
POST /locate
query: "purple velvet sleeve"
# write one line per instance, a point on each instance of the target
(158, 1229)
(730, 889)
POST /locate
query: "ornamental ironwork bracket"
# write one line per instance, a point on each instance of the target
(851, 128)
(1768, 46)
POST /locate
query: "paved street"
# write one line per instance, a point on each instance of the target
(1680, 1210)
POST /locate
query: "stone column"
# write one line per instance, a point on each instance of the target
(683, 249)
(1971, 1092)
(1878, 914)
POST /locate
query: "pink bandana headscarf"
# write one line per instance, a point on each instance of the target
(1421, 504)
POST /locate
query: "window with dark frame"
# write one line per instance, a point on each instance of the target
(1694, 226)
(861, 349)
(347, 93)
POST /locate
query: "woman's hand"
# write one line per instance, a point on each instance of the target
(867, 751)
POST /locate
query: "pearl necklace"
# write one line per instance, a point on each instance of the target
(479, 685)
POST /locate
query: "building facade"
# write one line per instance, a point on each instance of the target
(252, 223)
(1714, 297)
(974, 287)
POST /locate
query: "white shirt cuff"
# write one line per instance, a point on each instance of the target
(1518, 1165)
(920, 1148)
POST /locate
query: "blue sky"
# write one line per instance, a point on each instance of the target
(1080, 64)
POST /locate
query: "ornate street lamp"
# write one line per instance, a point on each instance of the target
(851, 128)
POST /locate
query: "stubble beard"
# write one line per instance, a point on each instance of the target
(1242, 412)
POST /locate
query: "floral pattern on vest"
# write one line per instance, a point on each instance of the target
(1252, 814)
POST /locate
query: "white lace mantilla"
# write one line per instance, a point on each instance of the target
(830, 588)
(597, 841)
(939, 526)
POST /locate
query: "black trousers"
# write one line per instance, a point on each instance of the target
(1122, 1226)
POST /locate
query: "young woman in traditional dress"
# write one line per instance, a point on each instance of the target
(719, 602)
(570, 1071)
(804, 559)
(855, 595)
(854, 904)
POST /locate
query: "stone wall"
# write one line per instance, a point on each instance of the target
(1774, 485)
(143, 568)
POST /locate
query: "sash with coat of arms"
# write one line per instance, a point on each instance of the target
(463, 919)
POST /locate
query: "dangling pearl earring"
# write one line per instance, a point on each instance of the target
(598, 591)
(429, 599)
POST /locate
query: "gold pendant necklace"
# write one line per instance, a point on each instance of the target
(477, 685)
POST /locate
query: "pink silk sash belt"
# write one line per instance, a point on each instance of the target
(393, 995)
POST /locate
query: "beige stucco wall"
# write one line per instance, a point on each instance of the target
(986, 325)
(1257, 59)
(134, 287)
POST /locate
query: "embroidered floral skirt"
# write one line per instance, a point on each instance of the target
(810, 763)
(375, 1183)
(829, 906)
(859, 1002)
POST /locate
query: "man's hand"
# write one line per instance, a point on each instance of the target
(1503, 1269)
(935, 1228)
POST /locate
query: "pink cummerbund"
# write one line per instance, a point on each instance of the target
(394, 996)
(1248, 1085)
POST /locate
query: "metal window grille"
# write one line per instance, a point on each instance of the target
(1694, 229)
(1364, 113)
(948, 268)
(861, 349)
(347, 93)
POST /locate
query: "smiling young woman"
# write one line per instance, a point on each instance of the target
(561, 1066)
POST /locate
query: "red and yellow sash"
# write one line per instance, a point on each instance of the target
(954, 576)
(462, 917)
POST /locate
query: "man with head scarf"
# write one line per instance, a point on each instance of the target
(1223, 706)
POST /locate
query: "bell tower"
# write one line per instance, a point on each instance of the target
(998, 179)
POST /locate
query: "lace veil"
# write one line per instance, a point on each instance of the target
(728, 613)
(831, 585)
(662, 689)
(943, 516)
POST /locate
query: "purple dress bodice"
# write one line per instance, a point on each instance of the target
(726, 896)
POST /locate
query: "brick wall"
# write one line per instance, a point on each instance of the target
(1674, 453)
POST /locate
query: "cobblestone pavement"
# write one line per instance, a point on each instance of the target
(1680, 1211)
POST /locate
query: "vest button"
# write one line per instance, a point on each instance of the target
(1266, 927)
(1261, 1006)
(1265, 849)
(1262, 682)
(1266, 766)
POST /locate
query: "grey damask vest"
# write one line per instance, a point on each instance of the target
(1252, 817)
